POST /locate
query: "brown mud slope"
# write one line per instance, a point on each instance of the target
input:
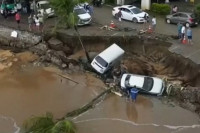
(157, 60)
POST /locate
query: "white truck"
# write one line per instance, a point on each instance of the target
(107, 59)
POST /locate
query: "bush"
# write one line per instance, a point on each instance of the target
(162, 9)
(197, 11)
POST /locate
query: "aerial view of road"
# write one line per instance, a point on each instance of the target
(101, 74)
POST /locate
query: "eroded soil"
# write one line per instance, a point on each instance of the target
(28, 90)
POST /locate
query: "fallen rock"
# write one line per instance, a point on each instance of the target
(67, 50)
(39, 49)
(55, 44)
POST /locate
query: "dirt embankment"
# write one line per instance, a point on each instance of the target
(154, 59)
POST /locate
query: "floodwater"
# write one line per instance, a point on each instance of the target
(27, 91)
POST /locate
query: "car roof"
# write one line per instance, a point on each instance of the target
(43, 2)
(128, 6)
(136, 80)
(189, 13)
(111, 53)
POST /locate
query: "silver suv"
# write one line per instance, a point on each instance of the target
(188, 19)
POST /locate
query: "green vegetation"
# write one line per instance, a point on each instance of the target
(197, 11)
(162, 9)
(46, 124)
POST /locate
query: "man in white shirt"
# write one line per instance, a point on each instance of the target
(153, 23)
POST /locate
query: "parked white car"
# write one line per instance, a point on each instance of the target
(84, 18)
(151, 85)
(45, 8)
(130, 12)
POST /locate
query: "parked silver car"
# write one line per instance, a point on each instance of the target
(188, 19)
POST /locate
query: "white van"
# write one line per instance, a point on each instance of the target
(106, 59)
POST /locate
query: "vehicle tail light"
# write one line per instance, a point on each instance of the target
(191, 20)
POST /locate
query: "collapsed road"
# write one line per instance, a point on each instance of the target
(145, 57)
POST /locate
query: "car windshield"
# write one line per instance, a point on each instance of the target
(136, 10)
(192, 15)
(80, 11)
(148, 83)
(45, 6)
(101, 61)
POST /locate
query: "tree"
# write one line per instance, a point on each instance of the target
(46, 124)
(64, 10)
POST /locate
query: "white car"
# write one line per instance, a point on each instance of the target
(130, 12)
(151, 85)
(45, 8)
(84, 18)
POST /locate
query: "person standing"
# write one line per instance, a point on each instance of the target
(189, 35)
(91, 10)
(179, 30)
(119, 14)
(145, 21)
(30, 21)
(17, 18)
(182, 33)
(37, 23)
(174, 9)
(153, 23)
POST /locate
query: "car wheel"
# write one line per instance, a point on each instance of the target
(168, 21)
(135, 20)
(187, 24)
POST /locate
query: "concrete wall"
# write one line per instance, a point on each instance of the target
(145, 4)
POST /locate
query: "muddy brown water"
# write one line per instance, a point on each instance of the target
(32, 91)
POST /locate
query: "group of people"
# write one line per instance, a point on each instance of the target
(36, 21)
(184, 32)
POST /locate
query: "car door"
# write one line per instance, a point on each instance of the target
(128, 14)
(175, 18)
(123, 13)
(183, 18)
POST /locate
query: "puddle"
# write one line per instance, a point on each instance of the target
(148, 114)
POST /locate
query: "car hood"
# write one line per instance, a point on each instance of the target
(158, 86)
(84, 16)
(142, 14)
